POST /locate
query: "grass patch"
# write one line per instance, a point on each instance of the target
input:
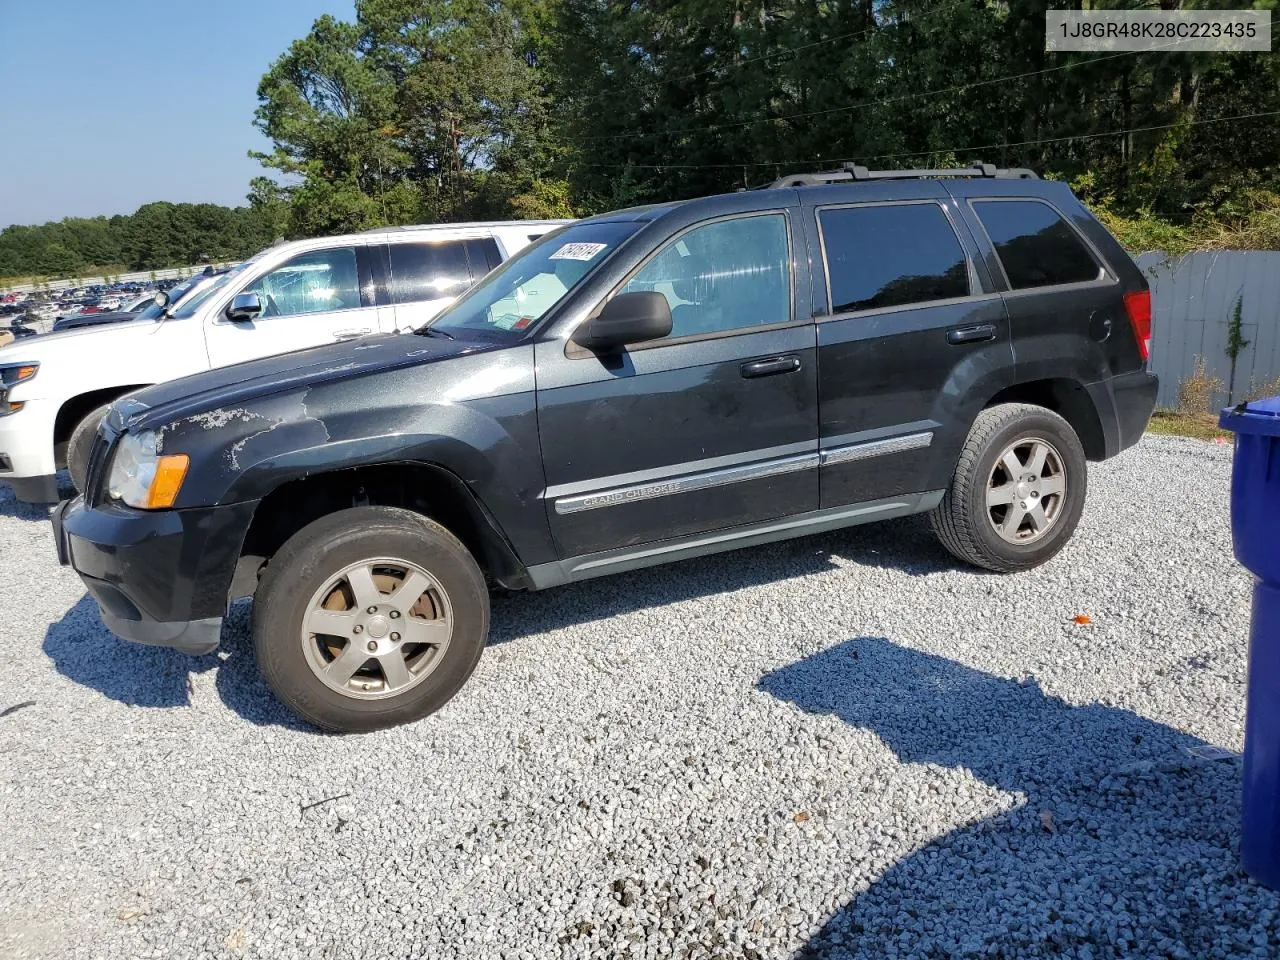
(1201, 426)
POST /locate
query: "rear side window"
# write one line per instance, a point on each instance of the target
(1036, 246)
(428, 271)
(484, 255)
(891, 255)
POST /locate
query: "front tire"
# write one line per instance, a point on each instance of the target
(1018, 490)
(369, 618)
(80, 445)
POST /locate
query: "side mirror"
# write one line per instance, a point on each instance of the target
(161, 299)
(244, 307)
(627, 318)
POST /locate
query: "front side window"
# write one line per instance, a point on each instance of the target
(1036, 246)
(428, 271)
(511, 299)
(891, 255)
(723, 276)
(319, 281)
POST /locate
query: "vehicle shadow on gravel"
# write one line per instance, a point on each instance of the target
(1126, 844)
(906, 545)
(84, 650)
(10, 506)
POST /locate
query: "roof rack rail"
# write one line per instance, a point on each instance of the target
(852, 171)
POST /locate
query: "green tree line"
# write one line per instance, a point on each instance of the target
(436, 110)
(158, 235)
(424, 111)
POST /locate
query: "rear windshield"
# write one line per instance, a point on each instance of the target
(511, 299)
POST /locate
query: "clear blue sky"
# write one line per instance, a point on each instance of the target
(109, 104)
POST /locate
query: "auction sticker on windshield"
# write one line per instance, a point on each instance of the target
(577, 251)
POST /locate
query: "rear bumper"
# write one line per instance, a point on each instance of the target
(1124, 404)
(158, 577)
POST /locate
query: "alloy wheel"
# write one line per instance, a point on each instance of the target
(1026, 491)
(377, 628)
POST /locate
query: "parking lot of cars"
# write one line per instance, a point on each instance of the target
(846, 745)
(30, 313)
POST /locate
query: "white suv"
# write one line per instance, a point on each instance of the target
(54, 389)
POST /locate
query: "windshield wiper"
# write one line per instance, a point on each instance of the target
(433, 332)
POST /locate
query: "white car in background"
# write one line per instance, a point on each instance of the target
(55, 389)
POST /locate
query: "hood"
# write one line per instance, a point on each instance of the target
(39, 347)
(89, 319)
(253, 379)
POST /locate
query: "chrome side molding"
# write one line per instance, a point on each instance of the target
(688, 483)
(877, 448)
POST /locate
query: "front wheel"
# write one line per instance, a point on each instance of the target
(80, 445)
(1018, 490)
(368, 618)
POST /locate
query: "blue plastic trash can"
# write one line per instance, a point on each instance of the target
(1255, 531)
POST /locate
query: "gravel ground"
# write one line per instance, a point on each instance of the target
(840, 746)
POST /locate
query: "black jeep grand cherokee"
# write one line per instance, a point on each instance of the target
(638, 387)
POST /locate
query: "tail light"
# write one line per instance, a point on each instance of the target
(1138, 306)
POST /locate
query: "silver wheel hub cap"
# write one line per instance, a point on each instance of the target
(377, 628)
(1026, 491)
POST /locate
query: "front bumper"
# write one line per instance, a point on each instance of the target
(26, 452)
(159, 577)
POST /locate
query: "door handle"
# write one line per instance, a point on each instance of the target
(352, 334)
(770, 367)
(974, 334)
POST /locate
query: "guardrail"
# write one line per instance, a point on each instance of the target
(137, 276)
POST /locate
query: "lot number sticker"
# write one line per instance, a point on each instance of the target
(577, 251)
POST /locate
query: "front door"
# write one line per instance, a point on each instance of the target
(311, 299)
(712, 427)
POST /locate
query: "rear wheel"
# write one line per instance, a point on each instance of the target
(368, 618)
(1018, 489)
(81, 445)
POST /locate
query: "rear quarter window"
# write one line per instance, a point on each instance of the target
(891, 255)
(1036, 247)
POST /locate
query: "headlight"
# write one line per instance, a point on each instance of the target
(10, 375)
(17, 372)
(140, 477)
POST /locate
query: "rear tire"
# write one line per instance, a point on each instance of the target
(81, 445)
(368, 618)
(1018, 490)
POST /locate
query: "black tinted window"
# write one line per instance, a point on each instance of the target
(428, 271)
(484, 255)
(1036, 246)
(887, 256)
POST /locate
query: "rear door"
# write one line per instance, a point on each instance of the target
(313, 298)
(712, 427)
(1064, 305)
(913, 335)
(425, 276)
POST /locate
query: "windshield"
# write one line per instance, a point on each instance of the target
(152, 311)
(193, 302)
(518, 294)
